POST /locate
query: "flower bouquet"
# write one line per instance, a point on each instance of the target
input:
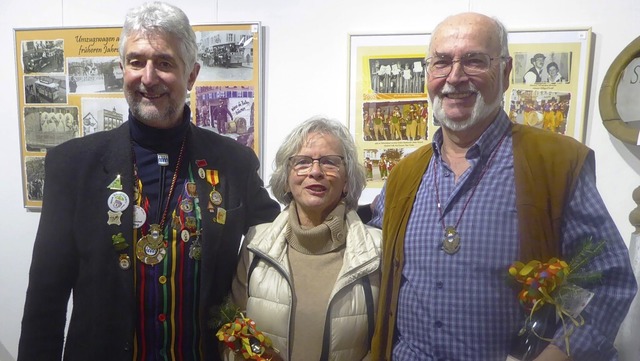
(239, 333)
(549, 293)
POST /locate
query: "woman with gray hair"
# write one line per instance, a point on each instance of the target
(310, 278)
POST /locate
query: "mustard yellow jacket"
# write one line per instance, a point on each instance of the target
(546, 167)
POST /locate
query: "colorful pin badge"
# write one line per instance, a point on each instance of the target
(185, 235)
(163, 159)
(186, 205)
(190, 223)
(116, 184)
(221, 216)
(195, 251)
(191, 189)
(124, 262)
(139, 216)
(215, 197)
(118, 201)
(119, 243)
(114, 218)
(176, 223)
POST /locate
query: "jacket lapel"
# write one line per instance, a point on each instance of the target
(117, 161)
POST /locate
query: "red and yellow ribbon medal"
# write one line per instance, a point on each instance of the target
(215, 197)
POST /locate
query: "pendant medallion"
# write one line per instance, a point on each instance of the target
(451, 241)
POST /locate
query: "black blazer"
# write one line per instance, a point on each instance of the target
(73, 251)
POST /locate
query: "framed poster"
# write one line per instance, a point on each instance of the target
(70, 84)
(388, 108)
(389, 113)
(549, 79)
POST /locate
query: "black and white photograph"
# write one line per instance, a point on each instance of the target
(99, 114)
(228, 111)
(541, 109)
(46, 127)
(34, 168)
(43, 56)
(92, 75)
(541, 68)
(397, 75)
(45, 89)
(225, 55)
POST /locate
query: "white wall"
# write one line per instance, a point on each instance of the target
(306, 74)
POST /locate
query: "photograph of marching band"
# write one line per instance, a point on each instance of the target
(395, 121)
(91, 75)
(46, 127)
(225, 55)
(540, 109)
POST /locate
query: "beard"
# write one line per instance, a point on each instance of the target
(151, 114)
(480, 111)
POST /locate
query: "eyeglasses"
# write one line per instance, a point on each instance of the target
(302, 164)
(472, 64)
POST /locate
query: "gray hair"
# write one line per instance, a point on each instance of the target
(355, 176)
(503, 36)
(158, 18)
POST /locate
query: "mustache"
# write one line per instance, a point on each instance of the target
(158, 89)
(448, 88)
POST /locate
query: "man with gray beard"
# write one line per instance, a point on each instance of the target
(486, 193)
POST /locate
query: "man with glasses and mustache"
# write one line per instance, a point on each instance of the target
(142, 223)
(486, 193)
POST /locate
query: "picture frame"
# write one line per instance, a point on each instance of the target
(570, 52)
(372, 57)
(70, 84)
(381, 88)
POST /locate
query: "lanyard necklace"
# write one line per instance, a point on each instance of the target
(151, 248)
(451, 241)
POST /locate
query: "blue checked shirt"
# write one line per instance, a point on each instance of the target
(461, 307)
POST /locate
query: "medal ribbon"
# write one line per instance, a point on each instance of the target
(181, 214)
(196, 202)
(212, 176)
(194, 249)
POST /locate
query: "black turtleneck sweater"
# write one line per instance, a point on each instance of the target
(147, 142)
